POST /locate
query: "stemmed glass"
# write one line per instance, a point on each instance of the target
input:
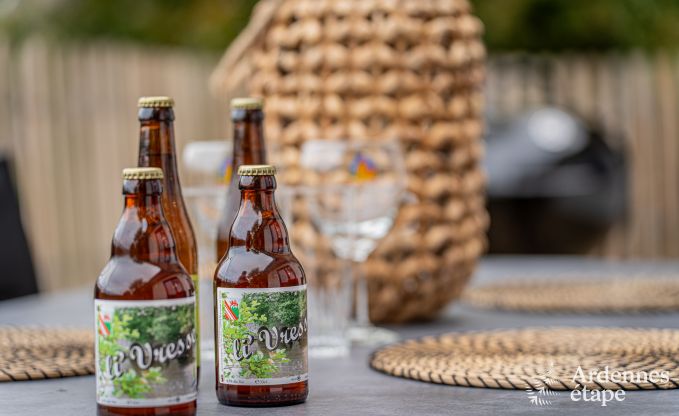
(205, 161)
(359, 186)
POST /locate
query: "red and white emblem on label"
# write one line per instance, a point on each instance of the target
(104, 324)
(230, 310)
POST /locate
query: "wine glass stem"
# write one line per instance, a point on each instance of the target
(362, 306)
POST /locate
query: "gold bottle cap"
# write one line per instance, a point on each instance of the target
(247, 103)
(142, 173)
(256, 170)
(155, 102)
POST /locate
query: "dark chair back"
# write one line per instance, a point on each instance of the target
(17, 275)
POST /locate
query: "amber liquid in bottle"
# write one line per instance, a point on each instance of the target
(258, 256)
(157, 149)
(144, 266)
(248, 149)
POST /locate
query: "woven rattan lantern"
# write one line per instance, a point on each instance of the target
(410, 69)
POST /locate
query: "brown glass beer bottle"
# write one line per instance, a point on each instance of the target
(145, 333)
(260, 304)
(157, 149)
(248, 149)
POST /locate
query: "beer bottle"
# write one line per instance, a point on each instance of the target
(260, 304)
(156, 149)
(248, 149)
(145, 348)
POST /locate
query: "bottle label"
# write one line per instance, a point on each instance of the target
(196, 287)
(262, 335)
(145, 352)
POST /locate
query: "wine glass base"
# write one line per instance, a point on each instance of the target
(327, 346)
(371, 336)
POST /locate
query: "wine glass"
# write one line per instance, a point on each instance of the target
(359, 186)
(205, 163)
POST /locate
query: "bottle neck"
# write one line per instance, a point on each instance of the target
(258, 225)
(248, 138)
(156, 144)
(143, 232)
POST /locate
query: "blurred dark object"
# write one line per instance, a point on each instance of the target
(18, 276)
(555, 187)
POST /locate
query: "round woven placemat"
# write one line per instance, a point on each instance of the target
(32, 353)
(523, 359)
(580, 295)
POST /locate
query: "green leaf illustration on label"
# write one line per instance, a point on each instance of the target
(145, 352)
(263, 335)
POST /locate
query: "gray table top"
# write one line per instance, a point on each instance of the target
(347, 385)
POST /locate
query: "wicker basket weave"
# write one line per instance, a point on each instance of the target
(410, 69)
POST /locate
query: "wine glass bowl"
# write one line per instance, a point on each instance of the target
(358, 187)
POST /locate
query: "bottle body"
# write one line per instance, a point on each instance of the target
(157, 149)
(248, 149)
(260, 307)
(145, 332)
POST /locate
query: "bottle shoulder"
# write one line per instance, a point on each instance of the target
(177, 215)
(250, 268)
(228, 211)
(178, 219)
(174, 206)
(123, 278)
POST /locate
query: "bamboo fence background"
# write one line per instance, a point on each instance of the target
(68, 123)
(68, 119)
(634, 99)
